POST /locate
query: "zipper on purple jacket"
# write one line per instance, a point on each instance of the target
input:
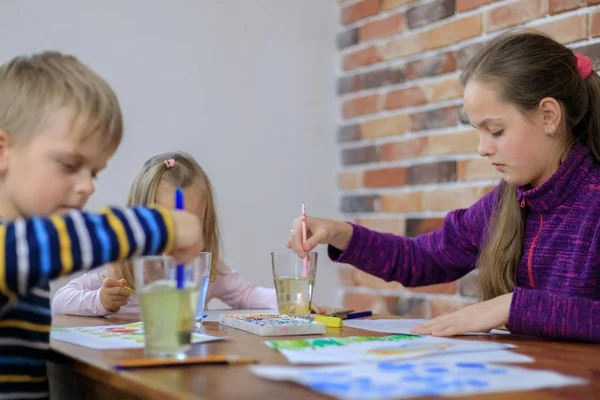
(530, 255)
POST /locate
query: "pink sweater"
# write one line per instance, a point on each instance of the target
(81, 296)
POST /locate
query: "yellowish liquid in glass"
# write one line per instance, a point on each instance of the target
(168, 316)
(294, 295)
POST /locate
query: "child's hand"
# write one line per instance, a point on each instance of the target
(112, 294)
(319, 231)
(318, 310)
(188, 236)
(489, 315)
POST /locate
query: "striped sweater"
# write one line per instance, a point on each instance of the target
(36, 250)
(557, 292)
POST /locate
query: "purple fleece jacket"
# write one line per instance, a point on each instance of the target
(558, 279)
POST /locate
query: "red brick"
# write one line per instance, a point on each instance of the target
(348, 133)
(382, 27)
(360, 106)
(445, 306)
(454, 31)
(450, 199)
(401, 202)
(409, 97)
(357, 203)
(434, 65)
(478, 168)
(595, 21)
(559, 6)
(404, 46)
(397, 226)
(390, 4)
(360, 10)
(567, 30)
(592, 2)
(382, 127)
(406, 149)
(433, 119)
(514, 13)
(442, 288)
(360, 155)
(360, 58)
(435, 172)
(386, 177)
(461, 142)
(350, 180)
(443, 90)
(464, 5)
(428, 13)
(372, 79)
(419, 226)
(347, 38)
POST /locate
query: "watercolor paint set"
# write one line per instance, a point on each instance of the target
(272, 325)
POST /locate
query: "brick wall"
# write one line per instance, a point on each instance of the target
(408, 156)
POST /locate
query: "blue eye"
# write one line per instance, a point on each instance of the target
(498, 133)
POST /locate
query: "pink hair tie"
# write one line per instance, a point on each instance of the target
(170, 163)
(584, 65)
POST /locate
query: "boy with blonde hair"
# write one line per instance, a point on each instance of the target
(60, 123)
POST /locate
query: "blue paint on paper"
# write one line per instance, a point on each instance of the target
(438, 370)
(331, 387)
(471, 365)
(395, 367)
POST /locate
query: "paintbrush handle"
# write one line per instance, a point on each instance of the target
(166, 362)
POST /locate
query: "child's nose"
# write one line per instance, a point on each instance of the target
(485, 147)
(86, 185)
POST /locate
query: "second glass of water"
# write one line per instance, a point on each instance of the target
(205, 261)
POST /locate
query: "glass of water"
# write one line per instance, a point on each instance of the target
(294, 282)
(204, 259)
(168, 312)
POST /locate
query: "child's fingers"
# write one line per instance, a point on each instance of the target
(317, 237)
(120, 303)
(109, 283)
(183, 255)
(117, 291)
(318, 310)
(295, 241)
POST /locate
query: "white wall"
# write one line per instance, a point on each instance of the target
(245, 86)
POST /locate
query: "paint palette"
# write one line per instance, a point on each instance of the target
(272, 324)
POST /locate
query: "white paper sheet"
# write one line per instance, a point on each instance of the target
(415, 379)
(111, 337)
(402, 326)
(213, 315)
(356, 349)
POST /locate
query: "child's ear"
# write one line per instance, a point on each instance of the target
(4, 150)
(551, 114)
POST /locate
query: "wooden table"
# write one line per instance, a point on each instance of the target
(82, 373)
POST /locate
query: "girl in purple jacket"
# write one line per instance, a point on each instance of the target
(536, 237)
